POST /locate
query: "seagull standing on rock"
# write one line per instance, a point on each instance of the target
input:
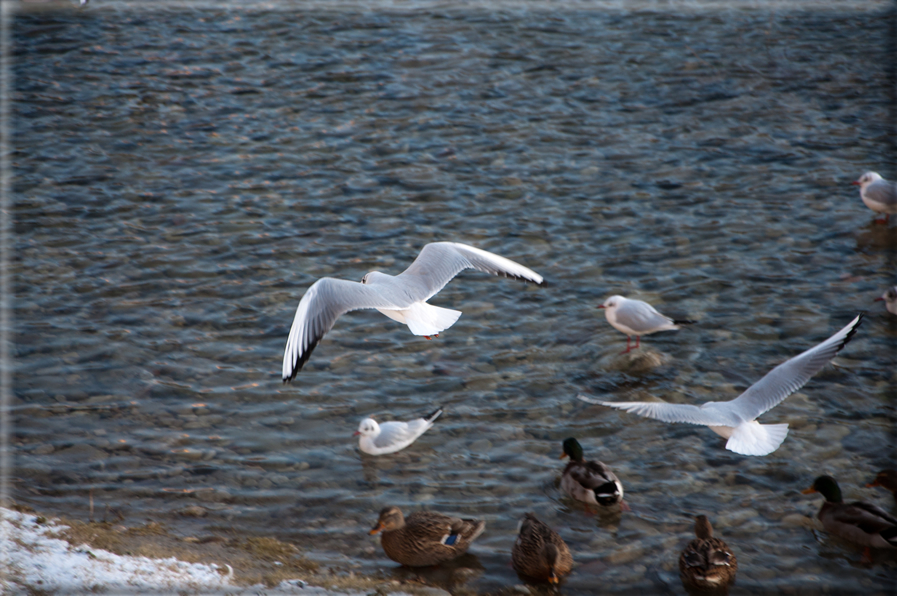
(878, 194)
(402, 297)
(634, 317)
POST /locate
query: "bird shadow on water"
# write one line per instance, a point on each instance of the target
(875, 238)
(449, 575)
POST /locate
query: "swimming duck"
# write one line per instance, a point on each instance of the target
(707, 563)
(425, 537)
(887, 479)
(540, 552)
(591, 482)
(859, 522)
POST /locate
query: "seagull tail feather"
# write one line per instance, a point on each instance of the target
(426, 319)
(753, 438)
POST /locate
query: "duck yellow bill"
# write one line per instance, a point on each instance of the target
(563, 455)
(553, 578)
(808, 491)
(376, 529)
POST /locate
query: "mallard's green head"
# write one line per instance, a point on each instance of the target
(827, 487)
(573, 449)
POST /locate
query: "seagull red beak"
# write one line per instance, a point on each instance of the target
(879, 299)
(601, 306)
(356, 433)
(856, 183)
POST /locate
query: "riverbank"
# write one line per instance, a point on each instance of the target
(41, 555)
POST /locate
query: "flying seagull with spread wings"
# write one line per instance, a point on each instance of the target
(402, 297)
(736, 419)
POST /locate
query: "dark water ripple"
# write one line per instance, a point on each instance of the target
(183, 174)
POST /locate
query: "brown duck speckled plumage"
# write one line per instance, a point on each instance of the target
(707, 563)
(425, 537)
(540, 552)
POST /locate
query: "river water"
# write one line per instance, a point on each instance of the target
(184, 174)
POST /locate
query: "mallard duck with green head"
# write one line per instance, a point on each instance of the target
(707, 564)
(591, 482)
(859, 522)
(425, 537)
(540, 552)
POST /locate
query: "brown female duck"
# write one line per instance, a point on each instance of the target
(887, 479)
(425, 537)
(540, 552)
(707, 564)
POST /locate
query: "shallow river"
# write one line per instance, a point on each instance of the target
(183, 175)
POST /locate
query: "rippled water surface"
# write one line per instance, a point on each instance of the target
(183, 175)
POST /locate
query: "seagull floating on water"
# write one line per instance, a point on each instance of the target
(402, 297)
(890, 299)
(879, 194)
(389, 437)
(634, 317)
(736, 419)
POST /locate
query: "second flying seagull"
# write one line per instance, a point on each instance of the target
(736, 419)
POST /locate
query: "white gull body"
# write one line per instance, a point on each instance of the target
(389, 437)
(634, 317)
(402, 297)
(878, 194)
(735, 420)
(890, 300)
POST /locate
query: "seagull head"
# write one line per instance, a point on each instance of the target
(889, 296)
(612, 302)
(367, 428)
(867, 179)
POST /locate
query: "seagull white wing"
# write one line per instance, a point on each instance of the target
(396, 432)
(439, 262)
(641, 316)
(791, 375)
(319, 308)
(666, 412)
(882, 192)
